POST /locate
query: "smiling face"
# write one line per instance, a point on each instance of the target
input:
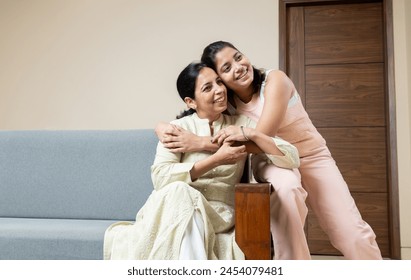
(234, 69)
(210, 95)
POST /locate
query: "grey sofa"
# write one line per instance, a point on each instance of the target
(60, 190)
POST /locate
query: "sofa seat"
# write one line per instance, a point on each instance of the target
(58, 239)
(60, 190)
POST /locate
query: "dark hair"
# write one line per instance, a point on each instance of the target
(210, 52)
(186, 84)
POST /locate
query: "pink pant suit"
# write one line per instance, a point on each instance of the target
(328, 193)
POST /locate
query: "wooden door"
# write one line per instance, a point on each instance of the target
(336, 54)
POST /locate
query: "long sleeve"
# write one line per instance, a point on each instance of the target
(167, 168)
(289, 160)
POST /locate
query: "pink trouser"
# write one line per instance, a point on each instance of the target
(288, 210)
(333, 205)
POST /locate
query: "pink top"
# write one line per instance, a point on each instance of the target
(296, 127)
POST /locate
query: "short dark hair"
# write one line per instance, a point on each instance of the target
(186, 83)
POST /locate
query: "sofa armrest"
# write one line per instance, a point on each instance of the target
(252, 220)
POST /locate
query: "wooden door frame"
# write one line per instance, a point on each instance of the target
(393, 191)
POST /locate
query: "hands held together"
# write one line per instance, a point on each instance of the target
(179, 140)
(231, 134)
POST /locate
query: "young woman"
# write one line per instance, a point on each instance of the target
(271, 99)
(190, 213)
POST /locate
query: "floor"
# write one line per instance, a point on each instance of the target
(324, 257)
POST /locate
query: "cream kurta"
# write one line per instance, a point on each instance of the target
(161, 222)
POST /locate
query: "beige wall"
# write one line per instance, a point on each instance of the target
(112, 64)
(402, 35)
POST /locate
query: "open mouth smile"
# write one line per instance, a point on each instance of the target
(219, 100)
(242, 75)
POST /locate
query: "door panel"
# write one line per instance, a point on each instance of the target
(360, 154)
(296, 50)
(346, 95)
(344, 33)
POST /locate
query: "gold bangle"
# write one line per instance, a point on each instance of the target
(242, 130)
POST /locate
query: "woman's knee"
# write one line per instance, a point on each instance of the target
(283, 179)
(178, 188)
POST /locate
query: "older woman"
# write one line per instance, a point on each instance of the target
(190, 213)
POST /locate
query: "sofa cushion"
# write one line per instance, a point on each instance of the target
(75, 174)
(57, 239)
